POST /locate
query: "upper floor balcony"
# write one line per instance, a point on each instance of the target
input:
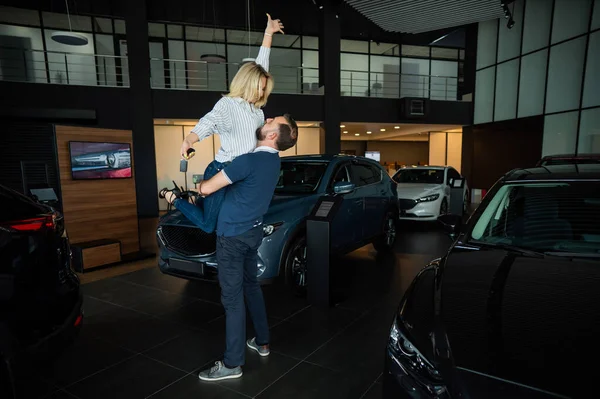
(38, 66)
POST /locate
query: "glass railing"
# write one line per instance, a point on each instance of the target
(36, 66)
(211, 76)
(394, 85)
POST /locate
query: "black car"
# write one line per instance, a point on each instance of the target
(40, 301)
(569, 159)
(513, 309)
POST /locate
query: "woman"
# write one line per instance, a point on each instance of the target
(235, 118)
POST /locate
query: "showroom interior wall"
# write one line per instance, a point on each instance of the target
(445, 148)
(109, 205)
(168, 138)
(434, 148)
(547, 64)
(403, 152)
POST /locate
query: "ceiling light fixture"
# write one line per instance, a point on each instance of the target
(383, 130)
(345, 131)
(342, 125)
(357, 134)
(508, 14)
(369, 132)
(69, 38)
(396, 127)
(213, 58)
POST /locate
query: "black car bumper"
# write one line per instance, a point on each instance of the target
(400, 384)
(62, 335)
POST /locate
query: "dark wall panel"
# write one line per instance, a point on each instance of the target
(401, 152)
(365, 109)
(490, 150)
(178, 104)
(33, 144)
(359, 147)
(112, 106)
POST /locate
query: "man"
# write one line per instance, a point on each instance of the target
(253, 178)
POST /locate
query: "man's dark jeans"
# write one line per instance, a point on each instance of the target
(237, 258)
(206, 211)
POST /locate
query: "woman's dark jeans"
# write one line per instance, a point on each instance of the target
(205, 212)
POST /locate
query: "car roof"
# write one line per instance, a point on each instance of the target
(425, 167)
(571, 156)
(555, 172)
(323, 158)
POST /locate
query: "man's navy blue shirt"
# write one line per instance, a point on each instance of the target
(253, 179)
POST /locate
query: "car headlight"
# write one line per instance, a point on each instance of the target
(271, 228)
(429, 198)
(408, 357)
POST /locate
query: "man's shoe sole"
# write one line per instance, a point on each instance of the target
(227, 377)
(257, 351)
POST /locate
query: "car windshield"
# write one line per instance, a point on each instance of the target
(570, 161)
(552, 217)
(299, 177)
(427, 176)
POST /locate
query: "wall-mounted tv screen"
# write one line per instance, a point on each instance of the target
(92, 160)
(374, 155)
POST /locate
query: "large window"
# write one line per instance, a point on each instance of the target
(28, 53)
(547, 64)
(371, 69)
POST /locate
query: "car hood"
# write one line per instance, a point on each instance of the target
(533, 321)
(417, 190)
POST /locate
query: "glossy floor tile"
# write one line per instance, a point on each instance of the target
(146, 334)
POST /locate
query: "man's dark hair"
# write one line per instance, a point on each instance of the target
(292, 125)
(290, 130)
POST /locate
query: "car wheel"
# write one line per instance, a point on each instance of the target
(295, 266)
(444, 207)
(386, 241)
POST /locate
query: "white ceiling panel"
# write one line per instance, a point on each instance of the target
(417, 16)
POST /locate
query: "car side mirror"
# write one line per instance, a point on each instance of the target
(342, 187)
(452, 224)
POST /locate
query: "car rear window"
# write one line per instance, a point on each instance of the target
(552, 216)
(15, 206)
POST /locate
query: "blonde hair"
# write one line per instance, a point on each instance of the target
(246, 82)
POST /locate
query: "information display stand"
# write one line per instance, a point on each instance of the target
(457, 196)
(318, 242)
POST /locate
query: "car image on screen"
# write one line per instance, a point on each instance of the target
(100, 160)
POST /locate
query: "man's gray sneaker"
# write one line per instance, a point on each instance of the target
(219, 372)
(262, 350)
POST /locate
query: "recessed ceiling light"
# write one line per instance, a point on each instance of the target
(342, 125)
(369, 132)
(345, 131)
(357, 134)
(383, 130)
(396, 127)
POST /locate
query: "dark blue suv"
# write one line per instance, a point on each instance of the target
(368, 215)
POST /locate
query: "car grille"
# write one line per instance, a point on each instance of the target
(188, 241)
(406, 204)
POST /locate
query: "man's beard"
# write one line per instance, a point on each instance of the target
(258, 133)
(285, 140)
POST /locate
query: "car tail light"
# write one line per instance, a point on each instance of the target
(78, 320)
(33, 224)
